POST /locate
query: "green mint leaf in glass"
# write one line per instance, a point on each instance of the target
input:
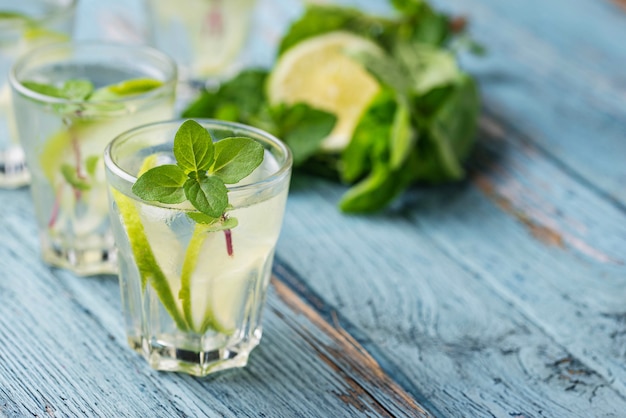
(8, 15)
(76, 89)
(201, 218)
(213, 224)
(201, 172)
(45, 89)
(91, 164)
(223, 225)
(193, 147)
(163, 184)
(236, 158)
(71, 176)
(209, 195)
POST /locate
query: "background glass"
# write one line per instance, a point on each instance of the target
(164, 253)
(24, 25)
(64, 140)
(205, 37)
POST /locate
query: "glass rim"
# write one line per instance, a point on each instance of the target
(274, 177)
(170, 81)
(59, 10)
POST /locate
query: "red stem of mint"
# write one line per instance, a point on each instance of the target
(77, 159)
(55, 208)
(229, 241)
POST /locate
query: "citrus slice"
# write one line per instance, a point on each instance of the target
(149, 268)
(135, 86)
(320, 72)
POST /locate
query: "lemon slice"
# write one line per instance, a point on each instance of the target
(321, 73)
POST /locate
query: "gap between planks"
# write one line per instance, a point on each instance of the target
(350, 360)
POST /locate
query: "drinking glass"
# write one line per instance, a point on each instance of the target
(24, 25)
(205, 37)
(192, 296)
(64, 138)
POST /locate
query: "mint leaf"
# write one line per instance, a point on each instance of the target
(45, 89)
(209, 195)
(76, 89)
(202, 218)
(427, 66)
(243, 92)
(5, 14)
(402, 136)
(91, 164)
(452, 128)
(193, 147)
(213, 224)
(304, 128)
(374, 130)
(223, 225)
(319, 19)
(71, 176)
(236, 158)
(163, 184)
(374, 192)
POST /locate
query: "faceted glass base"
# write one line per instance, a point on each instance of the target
(81, 261)
(13, 171)
(161, 355)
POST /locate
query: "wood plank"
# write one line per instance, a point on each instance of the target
(468, 349)
(64, 352)
(561, 85)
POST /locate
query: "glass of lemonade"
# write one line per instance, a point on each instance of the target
(24, 25)
(192, 296)
(70, 100)
(205, 37)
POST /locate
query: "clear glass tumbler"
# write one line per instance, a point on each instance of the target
(70, 100)
(24, 25)
(205, 37)
(165, 255)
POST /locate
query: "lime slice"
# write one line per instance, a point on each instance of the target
(189, 266)
(320, 72)
(36, 36)
(135, 86)
(146, 261)
(216, 287)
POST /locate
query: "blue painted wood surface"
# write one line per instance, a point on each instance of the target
(503, 296)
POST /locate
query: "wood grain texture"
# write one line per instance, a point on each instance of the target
(564, 85)
(518, 275)
(63, 353)
(502, 296)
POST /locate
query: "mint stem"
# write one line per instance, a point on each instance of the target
(229, 241)
(55, 207)
(77, 159)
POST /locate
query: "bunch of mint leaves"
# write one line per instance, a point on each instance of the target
(419, 128)
(201, 172)
(78, 92)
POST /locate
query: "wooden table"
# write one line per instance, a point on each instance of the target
(503, 296)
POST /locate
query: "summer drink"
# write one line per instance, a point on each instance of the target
(69, 104)
(204, 36)
(24, 25)
(192, 291)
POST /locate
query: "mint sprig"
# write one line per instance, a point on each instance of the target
(85, 102)
(201, 173)
(420, 128)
